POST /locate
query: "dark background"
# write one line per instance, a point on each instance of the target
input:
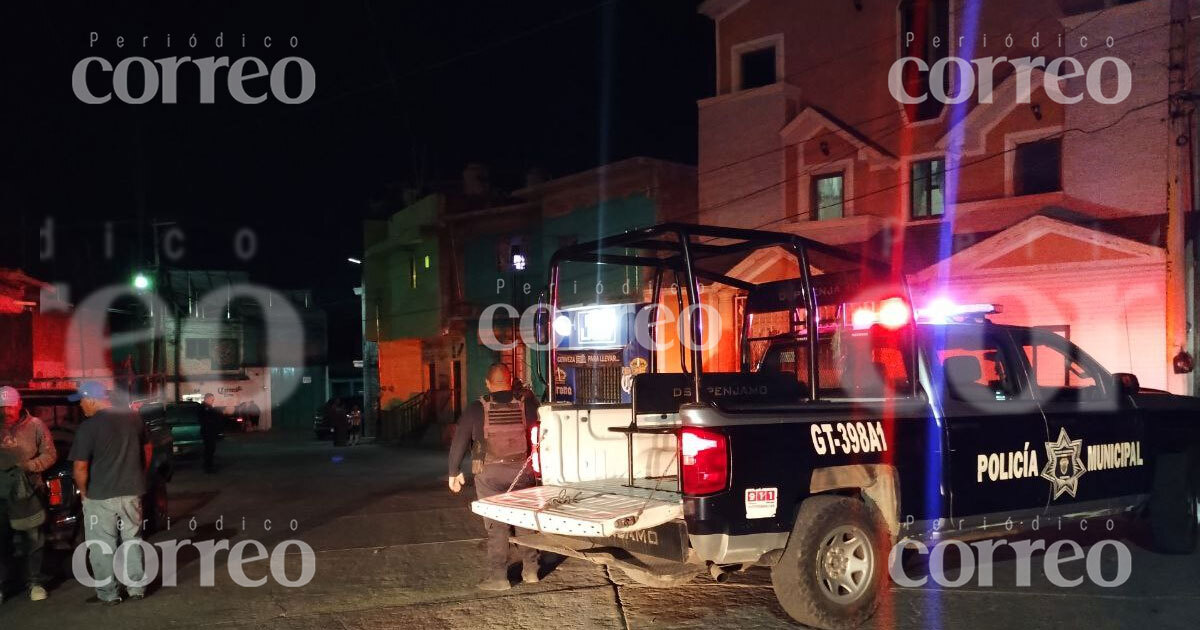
(406, 94)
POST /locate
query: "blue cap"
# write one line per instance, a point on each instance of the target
(89, 389)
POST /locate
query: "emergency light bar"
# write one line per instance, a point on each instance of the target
(893, 313)
(944, 310)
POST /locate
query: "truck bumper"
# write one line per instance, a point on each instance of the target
(740, 549)
(623, 559)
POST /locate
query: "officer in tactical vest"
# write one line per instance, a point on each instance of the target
(497, 425)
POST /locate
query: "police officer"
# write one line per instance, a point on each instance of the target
(211, 422)
(497, 425)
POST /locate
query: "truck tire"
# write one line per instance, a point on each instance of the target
(657, 581)
(1174, 505)
(834, 565)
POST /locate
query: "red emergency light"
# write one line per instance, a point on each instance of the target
(892, 313)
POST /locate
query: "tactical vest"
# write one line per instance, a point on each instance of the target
(503, 431)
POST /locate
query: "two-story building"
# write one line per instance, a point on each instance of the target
(445, 262)
(1064, 201)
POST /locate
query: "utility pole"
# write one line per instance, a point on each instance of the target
(1178, 195)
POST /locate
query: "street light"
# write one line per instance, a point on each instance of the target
(355, 261)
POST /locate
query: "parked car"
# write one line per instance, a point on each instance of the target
(322, 422)
(64, 507)
(244, 417)
(182, 420)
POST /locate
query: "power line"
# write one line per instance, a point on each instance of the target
(898, 127)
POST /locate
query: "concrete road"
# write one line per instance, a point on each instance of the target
(393, 548)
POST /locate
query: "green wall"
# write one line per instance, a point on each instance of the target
(541, 241)
(405, 312)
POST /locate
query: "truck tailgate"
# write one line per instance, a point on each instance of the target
(598, 509)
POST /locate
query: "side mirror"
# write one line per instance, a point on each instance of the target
(1127, 384)
(541, 321)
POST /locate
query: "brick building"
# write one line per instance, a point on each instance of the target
(1072, 216)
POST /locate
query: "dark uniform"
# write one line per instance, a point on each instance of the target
(211, 425)
(502, 444)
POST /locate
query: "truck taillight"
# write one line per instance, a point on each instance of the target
(56, 493)
(535, 455)
(704, 461)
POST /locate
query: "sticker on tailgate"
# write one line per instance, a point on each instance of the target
(761, 502)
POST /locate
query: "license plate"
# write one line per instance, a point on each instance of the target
(667, 541)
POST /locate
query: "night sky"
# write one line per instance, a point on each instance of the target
(405, 92)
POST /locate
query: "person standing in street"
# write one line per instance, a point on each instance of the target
(251, 413)
(111, 455)
(210, 431)
(355, 418)
(26, 450)
(497, 424)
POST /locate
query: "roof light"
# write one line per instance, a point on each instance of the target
(893, 313)
(942, 310)
(863, 318)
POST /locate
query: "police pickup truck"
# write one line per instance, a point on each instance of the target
(749, 398)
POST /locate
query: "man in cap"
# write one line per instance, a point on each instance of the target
(26, 450)
(111, 456)
(498, 424)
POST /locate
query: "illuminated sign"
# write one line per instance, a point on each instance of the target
(598, 326)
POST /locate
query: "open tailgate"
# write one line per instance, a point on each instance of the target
(595, 511)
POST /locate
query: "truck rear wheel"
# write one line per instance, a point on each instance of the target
(1175, 505)
(834, 565)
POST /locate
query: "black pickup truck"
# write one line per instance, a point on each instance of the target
(836, 422)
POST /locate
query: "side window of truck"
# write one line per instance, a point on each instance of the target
(1059, 370)
(972, 366)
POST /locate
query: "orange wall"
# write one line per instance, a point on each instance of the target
(400, 373)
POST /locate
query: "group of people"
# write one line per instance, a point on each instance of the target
(110, 454)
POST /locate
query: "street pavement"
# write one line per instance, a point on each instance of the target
(393, 548)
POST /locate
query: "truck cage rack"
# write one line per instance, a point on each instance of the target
(676, 247)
